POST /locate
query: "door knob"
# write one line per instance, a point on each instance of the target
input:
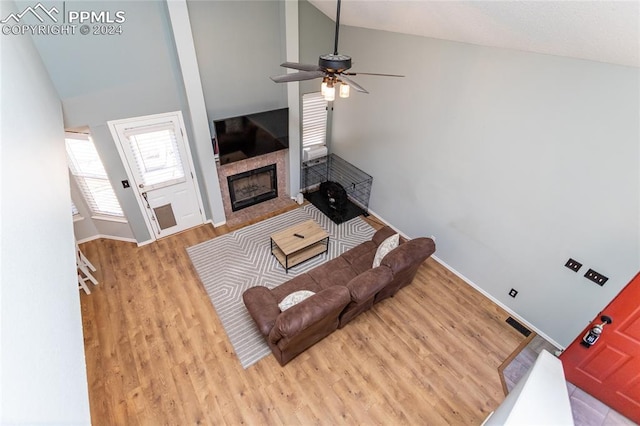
(141, 185)
(594, 332)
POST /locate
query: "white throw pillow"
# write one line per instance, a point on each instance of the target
(385, 247)
(294, 298)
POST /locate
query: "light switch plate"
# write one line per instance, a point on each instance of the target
(574, 265)
(596, 277)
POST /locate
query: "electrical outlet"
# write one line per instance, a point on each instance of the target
(596, 277)
(574, 265)
(513, 292)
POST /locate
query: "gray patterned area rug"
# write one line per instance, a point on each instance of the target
(230, 264)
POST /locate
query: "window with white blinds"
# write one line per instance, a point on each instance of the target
(314, 120)
(89, 173)
(156, 153)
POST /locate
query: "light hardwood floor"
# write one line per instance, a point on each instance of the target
(157, 353)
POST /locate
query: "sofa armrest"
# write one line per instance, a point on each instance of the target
(262, 307)
(370, 282)
(408, 254)
(308, 312)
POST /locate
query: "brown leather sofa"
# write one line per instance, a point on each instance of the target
(344, 287)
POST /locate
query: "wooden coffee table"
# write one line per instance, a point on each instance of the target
(291, 249)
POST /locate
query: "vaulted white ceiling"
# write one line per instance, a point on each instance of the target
(604, 31)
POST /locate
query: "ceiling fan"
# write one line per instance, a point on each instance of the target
(332, 68)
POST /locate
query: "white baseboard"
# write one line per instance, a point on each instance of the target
(478, 288)
(144, 243)
(133, 240)
(215, 225)
(108, 237)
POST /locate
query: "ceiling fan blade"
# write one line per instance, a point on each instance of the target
(353, 84)
(371, 73)
(298, 76)
(301, 67)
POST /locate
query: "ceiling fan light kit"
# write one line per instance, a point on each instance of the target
(330, 92)
(344, 90)
(331, 68)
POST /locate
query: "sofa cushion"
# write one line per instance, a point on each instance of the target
(360, 257)
(334, 272)
(409, 254)
(385, 247)
(301, 282)
(294, 298)
(326, 303)
(366, 285)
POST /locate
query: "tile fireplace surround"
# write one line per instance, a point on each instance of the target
(253, 212)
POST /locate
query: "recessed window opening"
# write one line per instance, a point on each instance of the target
(90, 175)
(314, 120)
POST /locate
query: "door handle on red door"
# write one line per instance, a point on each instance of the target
(592, 336)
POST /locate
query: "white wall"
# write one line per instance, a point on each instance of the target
(515, 161)
(43, 376)
(239, 44)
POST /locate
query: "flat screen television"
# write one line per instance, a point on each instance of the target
(246, 136)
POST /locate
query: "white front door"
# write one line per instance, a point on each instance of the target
(158, 160)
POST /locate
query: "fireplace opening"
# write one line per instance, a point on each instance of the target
(253, 187)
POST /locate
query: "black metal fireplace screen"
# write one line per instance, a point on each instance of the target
(253, 187)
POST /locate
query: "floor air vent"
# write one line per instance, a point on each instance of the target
(521, 328)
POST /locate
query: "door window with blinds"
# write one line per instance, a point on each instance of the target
(88, 171)
(314, 120)
(156, 155)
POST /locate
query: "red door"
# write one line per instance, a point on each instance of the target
(610, 369)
